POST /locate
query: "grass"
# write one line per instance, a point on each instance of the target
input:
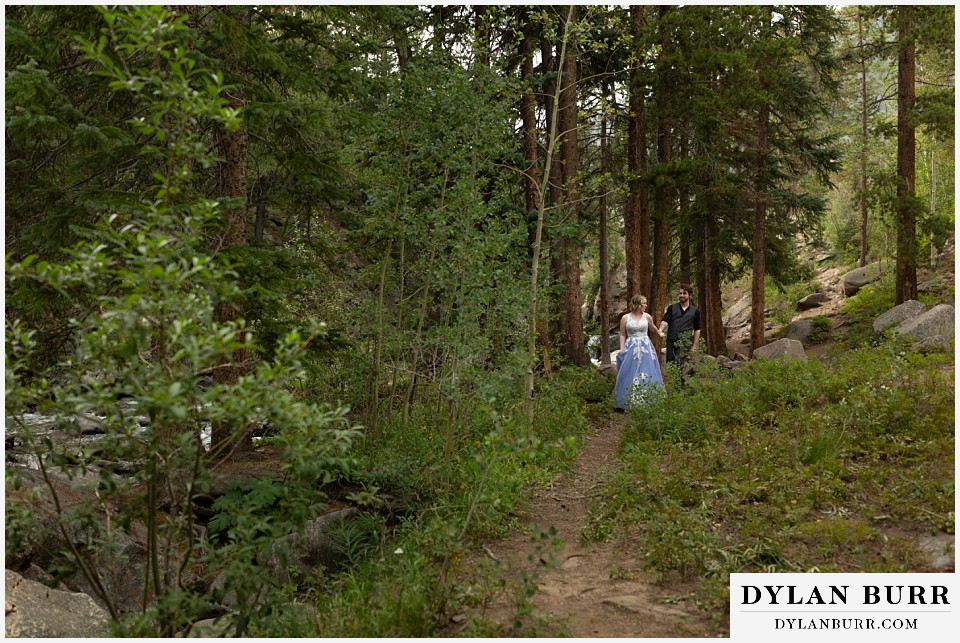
(789, 466)
(404, 578)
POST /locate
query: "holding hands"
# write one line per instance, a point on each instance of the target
(658, 331)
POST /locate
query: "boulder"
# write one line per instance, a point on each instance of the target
(595, 343)
(800, 330)
(739, 313)
(121, 575)
(121, 554)
(26, 489)
(617, 294)
(857, 278)
(898, 314)
(933, 285)
(812, 301)
(829, 277)
(40, 575)
(938, 321)
(609, 371)
(723, 359)
(781, 348)
(89, 424)
(310, 548)
(33, 610)
(740, 357)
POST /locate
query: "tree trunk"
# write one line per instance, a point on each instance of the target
(862, 261)
(401, 45)
(571, 321)
(712, 310)
(440, 18)
(906, 162)
(549, 196)
(661, 224)
(636, 219)
(933, 196)
(261, 219)
(604, 270)
(482, 30)
(528, 115)
(700, 254)
(553, 329)
(533, 326)
(232, 183)
(683, 199)
(759, 230)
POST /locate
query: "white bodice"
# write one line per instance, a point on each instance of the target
(636, 328)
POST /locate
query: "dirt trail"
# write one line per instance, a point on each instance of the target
(597, 590)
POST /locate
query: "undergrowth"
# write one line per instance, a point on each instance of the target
(789, 466)
(406, 583)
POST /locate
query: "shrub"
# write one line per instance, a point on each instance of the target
(820, 331)
(154, 334)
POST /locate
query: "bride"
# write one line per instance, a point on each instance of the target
(638, 369)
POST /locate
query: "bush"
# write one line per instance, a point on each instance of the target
(154, 334)
(821, 328)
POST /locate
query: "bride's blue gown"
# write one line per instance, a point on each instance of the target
(638, 369)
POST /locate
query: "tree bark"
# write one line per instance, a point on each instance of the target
(549, 196)
(683, 199)
(532, 328)
(700, 254)
(759, 231)
(569, 247)
(661, 224)
(401, 45)
(906, 161)
(636, 219)
(482, 30)
(231, 182)
(553, 329)
(864, 249)
(528, 115)
(933, 196)
(604, 269)
(712, 310)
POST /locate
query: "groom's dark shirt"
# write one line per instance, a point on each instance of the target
(680, 321)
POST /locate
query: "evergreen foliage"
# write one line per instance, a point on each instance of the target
(372, 234)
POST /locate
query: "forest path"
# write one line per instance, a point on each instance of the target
(588, 591)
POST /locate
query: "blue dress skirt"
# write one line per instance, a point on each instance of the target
(638, 369)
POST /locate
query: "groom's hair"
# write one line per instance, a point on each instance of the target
(687, 287)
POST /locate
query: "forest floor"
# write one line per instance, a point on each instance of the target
(601, 589)
(595, 590)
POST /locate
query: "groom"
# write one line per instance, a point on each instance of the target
(683, 319)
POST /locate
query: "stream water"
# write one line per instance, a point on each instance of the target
(71, 431)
